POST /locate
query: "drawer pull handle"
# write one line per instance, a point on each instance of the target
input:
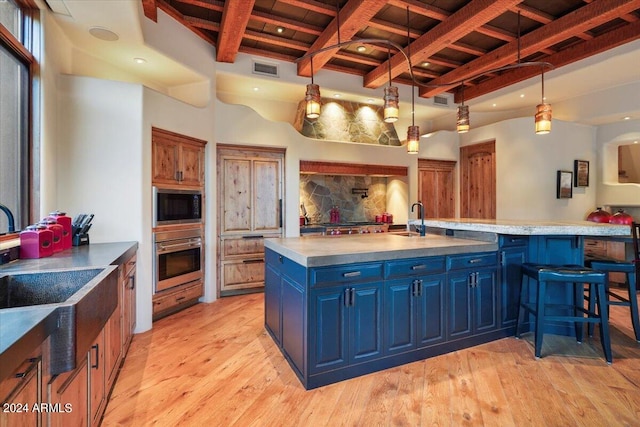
(475, 260)
(352, 274)
(253, 237)
(180, 299)
(419, 267)
(253, 261)
(96, 347)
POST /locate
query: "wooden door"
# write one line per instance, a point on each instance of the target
(436, 182)
(478, 181)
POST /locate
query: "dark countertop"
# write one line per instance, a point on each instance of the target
(25, 328)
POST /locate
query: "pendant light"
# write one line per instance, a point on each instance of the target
(543, 114)
(312, 97)
(462, 122)
(413, 132)
(391, 97)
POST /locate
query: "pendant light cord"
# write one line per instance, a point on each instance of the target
(413, 89)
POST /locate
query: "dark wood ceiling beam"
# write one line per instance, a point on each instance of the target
(468, 18)
(172, 12)
(276, 41)
(288, 24)
(202, 24)
(353, 16)
(421, 9)
(533, 14)
(390, 27)
(150, 9)
(580, 51)
(357, 59)
(496, 33)
(214, 5)
(311, 5)
(467, 48)
(235, 18)
(629, 17)
(266, 54)
(576, 22)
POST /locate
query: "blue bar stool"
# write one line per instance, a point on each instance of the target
(632, 271)
(554, 275)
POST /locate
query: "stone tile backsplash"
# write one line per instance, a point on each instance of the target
(319, 193)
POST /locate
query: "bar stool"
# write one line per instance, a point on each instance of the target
(546, 275)
(632, 271)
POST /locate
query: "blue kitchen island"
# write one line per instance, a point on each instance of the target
(340, 307)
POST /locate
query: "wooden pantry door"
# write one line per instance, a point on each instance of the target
(478, 181)
(436, 185)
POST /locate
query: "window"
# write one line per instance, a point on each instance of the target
(16, 68)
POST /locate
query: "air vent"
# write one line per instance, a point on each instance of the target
(265, 69)
(441, 100)
(59, 7)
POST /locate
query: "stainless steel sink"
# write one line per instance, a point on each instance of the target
(84, 301)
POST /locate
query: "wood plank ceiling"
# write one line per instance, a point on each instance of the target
(450, 40)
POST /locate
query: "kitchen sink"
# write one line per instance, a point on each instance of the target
(84, 299)
(26, 289)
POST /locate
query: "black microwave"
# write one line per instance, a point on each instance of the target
(176, 206)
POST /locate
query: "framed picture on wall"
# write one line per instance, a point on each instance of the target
(581, 173)
(564, 188)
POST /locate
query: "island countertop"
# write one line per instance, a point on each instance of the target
(527, 227)
(334, 250)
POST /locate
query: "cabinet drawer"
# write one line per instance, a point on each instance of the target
(242, 246)
(242, 273)
(594, 248)
(413, 267)
(347, 274)
(509, 240)
(471, 261)
(174, 298)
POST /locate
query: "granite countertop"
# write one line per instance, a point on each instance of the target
(334, 250)
(527, 227)
(23, 329)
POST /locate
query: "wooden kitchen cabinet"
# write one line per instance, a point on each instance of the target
(177, 159)
(605, 249)
(69, 391)
(176, 298)
(97, 379)
(250, 189)
(128, 309)
(21, 392)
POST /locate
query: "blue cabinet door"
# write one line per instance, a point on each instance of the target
(484, 297)
(400, 316)
(430, 313)
(328, 329)
(365, 322)
(510, 282)
(459, 305)
(272, 307)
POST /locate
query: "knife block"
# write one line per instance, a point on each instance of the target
(80, 239)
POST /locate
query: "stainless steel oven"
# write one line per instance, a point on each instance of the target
(178, 258)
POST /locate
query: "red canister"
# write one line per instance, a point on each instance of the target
(57, 229)
(36, 241)
(65, 222)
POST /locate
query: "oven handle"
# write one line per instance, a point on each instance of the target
(162, 248)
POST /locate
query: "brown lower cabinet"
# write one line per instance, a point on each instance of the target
(79, 397)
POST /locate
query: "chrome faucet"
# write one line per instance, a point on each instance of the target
(421, 213)
(12, 223)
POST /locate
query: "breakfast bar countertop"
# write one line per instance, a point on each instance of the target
(333, 250)
(527, 227)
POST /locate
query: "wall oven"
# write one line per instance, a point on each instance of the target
(178, 258)
(176, 206)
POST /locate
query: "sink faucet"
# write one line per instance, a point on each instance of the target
(12, 224)
(421, 213)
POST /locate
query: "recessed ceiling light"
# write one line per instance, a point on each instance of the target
(336, 95)
(103, 34)
(635, 142)
(370, 100)
(626, 118)
(361, 48)
(522, 95)
(255, 89)
(425, 64)
(280, 30)
(494, 105)
(139, 60)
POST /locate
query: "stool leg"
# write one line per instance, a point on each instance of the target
(578, 298)
(633, 300)
(521, 310)
(591, 301)
(603, 312)
(542, 293)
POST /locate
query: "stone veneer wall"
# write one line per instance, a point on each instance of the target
(347, 121)
(320, 193)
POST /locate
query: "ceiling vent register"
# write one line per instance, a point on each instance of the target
(265, 69)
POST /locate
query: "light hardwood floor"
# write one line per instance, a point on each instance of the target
(214, 365)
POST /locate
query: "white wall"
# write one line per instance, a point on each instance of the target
(526, 166)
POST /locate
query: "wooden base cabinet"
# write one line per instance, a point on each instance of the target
(69, 391)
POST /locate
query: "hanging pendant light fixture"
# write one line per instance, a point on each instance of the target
(391, 97)
(413, 131)
(313, 98)
(543, 114)
(462, 122)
